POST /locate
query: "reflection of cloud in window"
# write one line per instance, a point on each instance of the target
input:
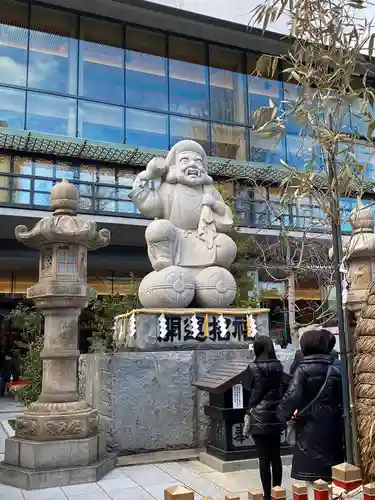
(15, 72)
(41, 69)
(154, 123)
(12, 100)
(47, 105)
(101, 114)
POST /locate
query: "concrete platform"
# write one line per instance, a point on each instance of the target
(235, 465)
(158, 457)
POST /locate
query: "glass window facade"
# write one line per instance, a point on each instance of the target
(146, 69)
(80, 76)
(26, 182)
(77, 76)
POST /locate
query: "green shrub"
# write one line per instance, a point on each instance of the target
(103, 311)
(28, 321)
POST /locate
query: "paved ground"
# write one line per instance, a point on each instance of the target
(147, 482)
(139, 482)
(10, 409)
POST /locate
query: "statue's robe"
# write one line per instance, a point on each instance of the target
(196, 225)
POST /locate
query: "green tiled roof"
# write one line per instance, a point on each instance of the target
(35, 143)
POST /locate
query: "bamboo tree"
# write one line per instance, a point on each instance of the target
(328, 64)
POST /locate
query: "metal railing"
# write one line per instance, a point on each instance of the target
(98, 198)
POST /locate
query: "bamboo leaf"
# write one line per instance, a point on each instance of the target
(370, 129)
(371, 46)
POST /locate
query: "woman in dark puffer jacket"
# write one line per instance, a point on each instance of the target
(319, 430)
(267, 386)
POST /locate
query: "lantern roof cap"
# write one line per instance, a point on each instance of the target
(64, 198)
(64, 225)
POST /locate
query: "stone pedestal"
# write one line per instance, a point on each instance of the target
(57, 441)
(162, 371)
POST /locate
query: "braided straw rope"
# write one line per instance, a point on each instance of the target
(364, 384)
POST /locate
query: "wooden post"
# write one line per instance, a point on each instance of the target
(346, 476)
(369, 492)
(278, 493)
(330, 491)
(178, 493)
(299, 492)
(320, 490)
(255, 495)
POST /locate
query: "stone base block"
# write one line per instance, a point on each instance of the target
(54, 454)
(235, 465)
(32, 479)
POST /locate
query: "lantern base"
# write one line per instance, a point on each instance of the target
(57, 421)
(34, 464)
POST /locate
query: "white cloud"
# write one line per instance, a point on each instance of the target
(12, 72)
(237, 11)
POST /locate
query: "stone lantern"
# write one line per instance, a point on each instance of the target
(57, 440)
(360, 258)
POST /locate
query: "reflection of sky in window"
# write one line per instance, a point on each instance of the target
(299, 151)
(146, 80)
(145, 129)
(13, 55)
(51, 114)
(53, 62)
(188, 88)
(102, 73)
(12, 107)
(346, 206)
(184, 128)
(227, 95)
(101, 122)
(366, 157)
(261, 91)
(265, 150)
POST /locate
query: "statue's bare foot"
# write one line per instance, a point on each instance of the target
(171, 287)
(215, 287)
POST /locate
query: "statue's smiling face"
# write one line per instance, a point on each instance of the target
(190, 168)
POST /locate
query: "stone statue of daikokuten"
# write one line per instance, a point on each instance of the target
(187, 247)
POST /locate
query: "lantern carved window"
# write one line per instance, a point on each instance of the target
(47, 261)
(65, 260)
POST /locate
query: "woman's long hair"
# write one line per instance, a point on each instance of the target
(264, 348)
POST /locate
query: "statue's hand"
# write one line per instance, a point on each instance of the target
(208, 200)
(156, 168)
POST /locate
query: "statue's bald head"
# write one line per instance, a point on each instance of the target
(187, 164)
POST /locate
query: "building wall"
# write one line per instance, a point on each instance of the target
(79, 76)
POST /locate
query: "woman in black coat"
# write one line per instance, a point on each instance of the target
(266, 389)
(319, 430)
